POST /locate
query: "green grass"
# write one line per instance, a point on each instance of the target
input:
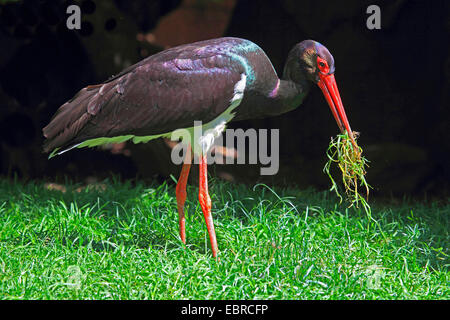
(274, 244)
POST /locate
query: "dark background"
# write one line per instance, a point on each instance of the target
(394, 83)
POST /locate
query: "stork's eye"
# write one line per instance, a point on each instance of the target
(323, 65)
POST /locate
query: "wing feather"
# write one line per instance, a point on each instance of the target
(162, 93)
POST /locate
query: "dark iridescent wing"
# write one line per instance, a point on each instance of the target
(164, 92)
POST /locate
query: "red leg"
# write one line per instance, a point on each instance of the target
(181, 193)
(205, 203)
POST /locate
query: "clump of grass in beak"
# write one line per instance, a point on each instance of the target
(348, 156)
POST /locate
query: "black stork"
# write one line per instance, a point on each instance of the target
(213, 81)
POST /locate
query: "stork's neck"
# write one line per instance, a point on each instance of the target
(268, 95)
(288, 94)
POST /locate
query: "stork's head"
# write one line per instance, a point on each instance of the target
(311, 60)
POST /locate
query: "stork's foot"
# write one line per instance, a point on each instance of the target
(205, 203)
(203, 196)
(181, 199)
(181, 193)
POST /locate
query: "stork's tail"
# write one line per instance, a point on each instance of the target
(68, 120)
(62, 133)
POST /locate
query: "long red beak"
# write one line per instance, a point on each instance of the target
(329, 88)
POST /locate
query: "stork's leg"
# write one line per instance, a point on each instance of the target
(181, 193)
(205, 203)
